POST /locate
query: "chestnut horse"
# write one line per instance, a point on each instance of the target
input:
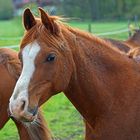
(10, 69)
(101, 82)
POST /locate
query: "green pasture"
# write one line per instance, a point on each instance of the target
(62, 118)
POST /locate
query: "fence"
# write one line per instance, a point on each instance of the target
(128, 29)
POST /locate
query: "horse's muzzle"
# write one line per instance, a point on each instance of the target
(20, 111)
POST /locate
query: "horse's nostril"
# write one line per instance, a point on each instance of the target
(33, 111)
(23, 105)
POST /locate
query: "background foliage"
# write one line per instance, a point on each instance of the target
(102, 9)
(85, 9)
(6, 9)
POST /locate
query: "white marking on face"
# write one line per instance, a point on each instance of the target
(20, 93)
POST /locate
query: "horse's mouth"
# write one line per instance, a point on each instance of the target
(23, 117)
(27, 117)
(27, 120)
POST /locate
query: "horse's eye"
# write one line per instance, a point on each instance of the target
(50, 57)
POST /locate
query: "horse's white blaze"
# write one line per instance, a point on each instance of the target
(20, 92)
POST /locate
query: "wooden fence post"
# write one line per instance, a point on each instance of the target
(129, 30)
(89, 28)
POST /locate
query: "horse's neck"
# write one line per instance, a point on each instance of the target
(96, 63)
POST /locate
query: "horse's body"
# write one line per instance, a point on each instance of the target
(10, 69)
(102, 83)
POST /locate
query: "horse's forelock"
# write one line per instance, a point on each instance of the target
(40, 34)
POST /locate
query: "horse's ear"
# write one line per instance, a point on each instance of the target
(49, 22)
(28, 19)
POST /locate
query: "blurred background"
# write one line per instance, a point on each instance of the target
(84, 9)
(116, 19)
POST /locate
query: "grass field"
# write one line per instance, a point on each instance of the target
(64, 121)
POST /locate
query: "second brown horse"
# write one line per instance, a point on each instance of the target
(10, 69)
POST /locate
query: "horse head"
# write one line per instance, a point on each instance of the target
(47, 65)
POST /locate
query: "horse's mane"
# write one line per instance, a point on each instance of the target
(95, 39)
(8, 58)
(40, 32)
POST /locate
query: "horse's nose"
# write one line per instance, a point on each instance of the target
(19, 109)
(33, 110)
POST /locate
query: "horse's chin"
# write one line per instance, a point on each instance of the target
(24, 117)
(28, 120)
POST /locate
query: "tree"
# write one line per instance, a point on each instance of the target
(101, 9)
(6, 9)
(94, 9)
(76, 8)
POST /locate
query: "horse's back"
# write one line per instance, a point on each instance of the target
(119, 44)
